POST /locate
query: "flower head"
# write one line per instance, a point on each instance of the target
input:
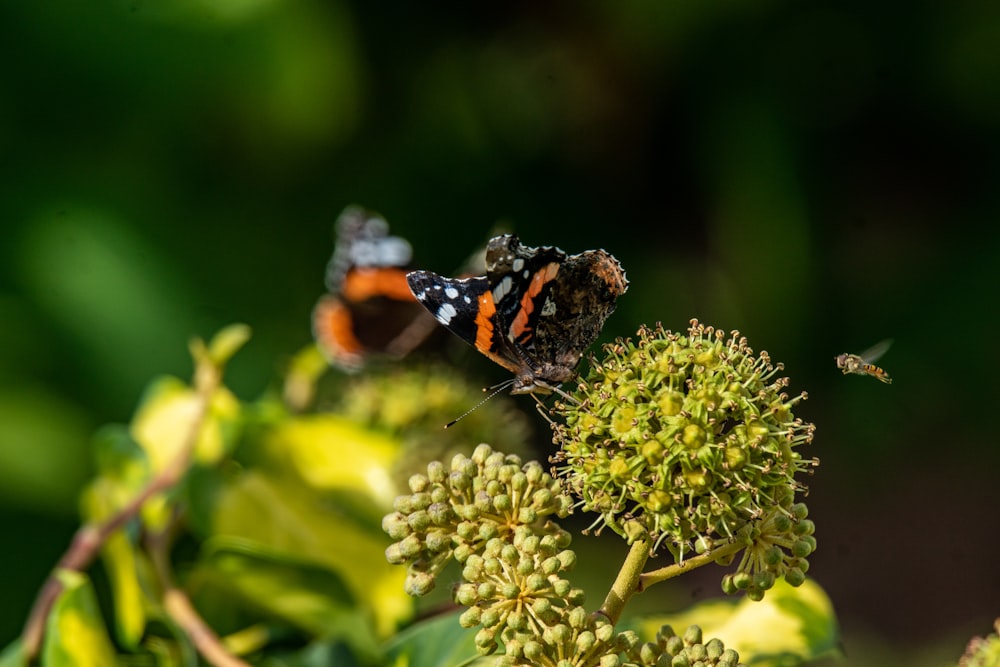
(685, 437)
(481, 503)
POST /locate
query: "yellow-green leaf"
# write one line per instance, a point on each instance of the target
(75, 634)
(333, 453)
(305, 594)
(170, 409)
(438, 642)
(304, 372)
(227, 342)
(120, 561)
(288, 517)
(789, 626)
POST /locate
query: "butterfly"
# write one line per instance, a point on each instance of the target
(369, 309)
(534, 312)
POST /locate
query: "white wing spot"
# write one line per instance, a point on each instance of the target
(518, 264)
(451, 293)
(502, 289)
(445, 313)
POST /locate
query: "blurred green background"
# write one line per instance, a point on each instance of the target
(819, 175)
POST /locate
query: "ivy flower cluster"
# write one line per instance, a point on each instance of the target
(457, 512)
(686, 442)
(685, 438)
(687, 650)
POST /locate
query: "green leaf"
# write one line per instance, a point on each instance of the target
(788, 627)
(438, 642)
(227, 342)
(289, 518)
(304, 594)
(163, 422)
(119, 457)
(75, 634)
(341, 458)
(123, 471)
(304, 371)
(315, 654)
(121, 562)
(13, 655)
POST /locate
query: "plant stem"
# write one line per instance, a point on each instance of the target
(670, 571)
(627, 582)
(178, 606)
(90, 538)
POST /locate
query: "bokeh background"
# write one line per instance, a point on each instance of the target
(819, 175)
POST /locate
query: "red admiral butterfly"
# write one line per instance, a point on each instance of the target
(534, 312)
(370, 309)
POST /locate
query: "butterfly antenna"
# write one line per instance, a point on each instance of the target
(543, 409)
(494, 390)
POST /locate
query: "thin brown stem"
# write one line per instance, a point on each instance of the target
(89, 538)
(178, 606)
(180, 609)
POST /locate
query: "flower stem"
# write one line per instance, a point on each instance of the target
(627, 582)
(670, 571)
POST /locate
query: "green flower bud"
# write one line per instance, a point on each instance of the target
(436, 473)
(418, 583)
(510, 591)
(466, 595)
(534, 651)
(803, 547)
(490, 617)
(418, 483)
(395, 525)
(795, 577)
(394, 555)
(437, 541)
(470, 617)
(604, 632)
(486, 641)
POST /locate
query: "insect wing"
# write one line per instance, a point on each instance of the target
(363, 242)
(520, 278)
(875, 351)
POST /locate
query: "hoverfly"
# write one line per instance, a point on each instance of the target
(862, 364)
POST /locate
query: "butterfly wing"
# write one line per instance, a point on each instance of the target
(369, 308)
(520, 278)
(577, 306)
(465, 307)
(363, 242)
